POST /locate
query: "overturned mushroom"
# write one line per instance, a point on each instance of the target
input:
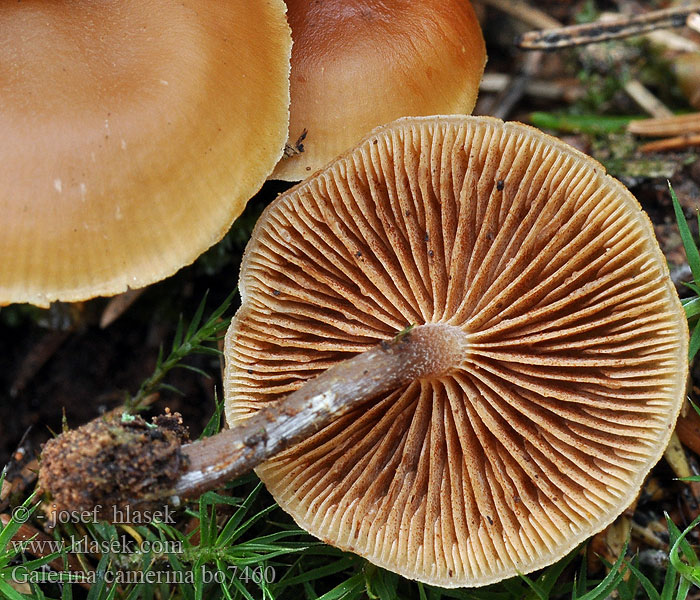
(357, 64)
(519, 415)
(568, 347)
(133, 134)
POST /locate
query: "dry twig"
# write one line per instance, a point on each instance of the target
(566, 90)
(504, 103)
(646, 100)
(675, 125)
(601, 31)
(118, 305)
(522, 11)
(673, 143)
(693, 21)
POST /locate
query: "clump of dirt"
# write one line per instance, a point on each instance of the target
(115, 461)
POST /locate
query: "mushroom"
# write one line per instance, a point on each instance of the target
(562, 345)
(539, 383)
(133, 134)
(359, 64)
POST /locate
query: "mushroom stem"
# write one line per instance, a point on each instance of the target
(424, 351)
(112, 462)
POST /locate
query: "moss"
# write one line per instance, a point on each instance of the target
(618, 153)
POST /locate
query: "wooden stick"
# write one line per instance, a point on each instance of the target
(567, 90)
(693, 22)
(515, 88)
(506, 101)
(522, 11)
(676, 125)
(646, 100)
(118, 305)
(40, 545)
(672, 41)
(601, 31)
(674, 143)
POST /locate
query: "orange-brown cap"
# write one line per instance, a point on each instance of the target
(357, 64)
(576, 347)
(133, 134)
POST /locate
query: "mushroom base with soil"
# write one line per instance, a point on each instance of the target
(110, 462)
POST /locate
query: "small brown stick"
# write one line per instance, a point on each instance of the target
(676, 125)
(566, 90)
(515, 88)
(646, 100)
(506, 101)
(672, 41)
(693, 22)
(37, 357)
(118, 305)
(647, 536)
(674, 143)
(601, 31)
(522, 11)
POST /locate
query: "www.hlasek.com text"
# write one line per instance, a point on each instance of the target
(85, 545)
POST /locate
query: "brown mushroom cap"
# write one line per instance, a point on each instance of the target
(357, 64)
(133, 134)
(576, 347)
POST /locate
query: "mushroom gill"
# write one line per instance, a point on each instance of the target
(574, 360)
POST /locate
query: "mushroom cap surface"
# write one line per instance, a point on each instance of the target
(133, 134)
(577, 347)
(357, 64)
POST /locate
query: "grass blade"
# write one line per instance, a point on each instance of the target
(691, 249)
